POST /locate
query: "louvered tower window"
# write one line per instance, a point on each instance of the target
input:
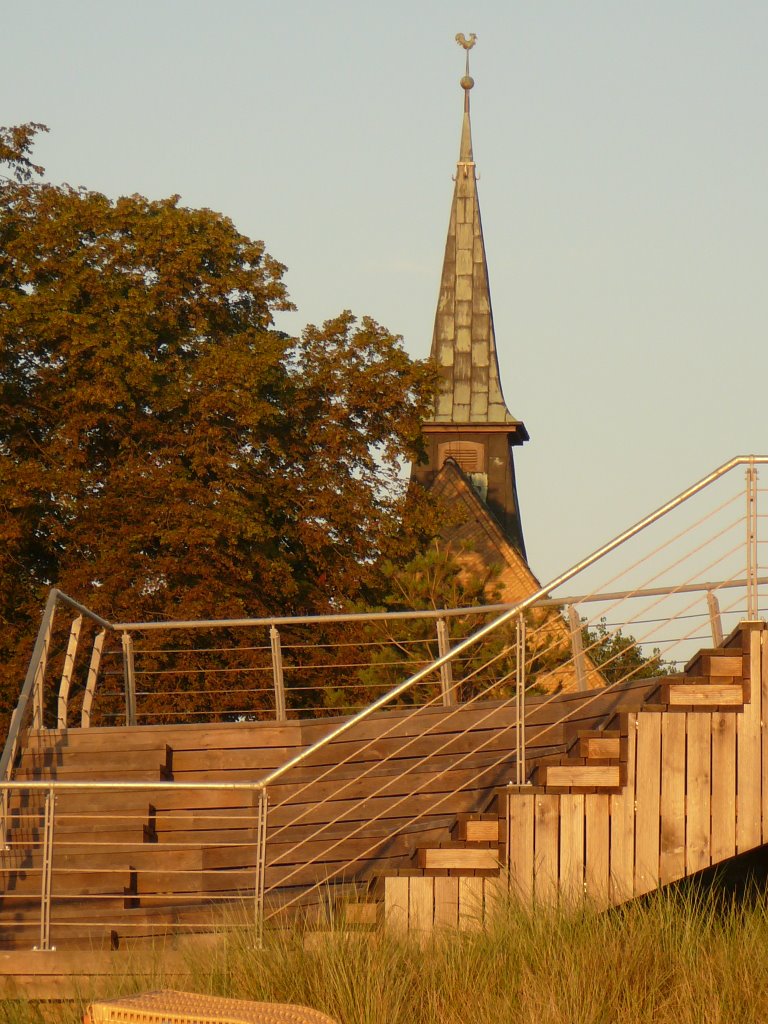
(468, 455)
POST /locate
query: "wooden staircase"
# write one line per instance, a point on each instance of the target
(654, 792)
(627, 789)
(131, 865)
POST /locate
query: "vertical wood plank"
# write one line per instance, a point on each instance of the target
(648, 796)
(494, 896)
(546, 847)
(520, 841)
(764, 713)
(748, 747)
(571, 848)
(723, 785)
(597, 873)
(470, 904)
(446, 903)
(421, 909)
(672, 810)
(622, 825)
(396, 903)
(698, 782)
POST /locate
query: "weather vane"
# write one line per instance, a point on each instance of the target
(462, 40)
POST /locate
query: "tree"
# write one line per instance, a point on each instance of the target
(164, 450)
(620, 657)
(439, 576)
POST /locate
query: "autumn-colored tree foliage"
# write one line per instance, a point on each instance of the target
(165, 452)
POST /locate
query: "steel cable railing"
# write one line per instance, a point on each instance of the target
(599, 554)
(178, 883)
(394, 727)
(438, 800)
(315, 834)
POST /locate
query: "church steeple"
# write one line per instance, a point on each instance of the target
(471, 422)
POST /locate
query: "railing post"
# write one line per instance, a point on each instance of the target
(5, 796)
(520, 700)
(45, 895)
(129, 678)
(38, 695)
(277, 673)
(446, 670)
(262, 809)
(66, 672)
(751, 542)
(577, 648)
(715, 621)
(93, 674)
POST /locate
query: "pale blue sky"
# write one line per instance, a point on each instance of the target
(623, 161)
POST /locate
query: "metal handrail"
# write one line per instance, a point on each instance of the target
(81, 608)
(425, 613)
(120, 784)
(510, 613)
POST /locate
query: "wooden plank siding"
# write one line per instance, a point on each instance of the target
(723, 786)
(764, 699)
(749, 746)
(698, 846)
(647, 802)
(694, 792)
(571, 848)
(547, 847)
(672, 805)
(520, 857)
(597, 865)
(622, 813)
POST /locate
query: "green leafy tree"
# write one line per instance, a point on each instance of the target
(164, 450)
(620, 657)
(440, 576)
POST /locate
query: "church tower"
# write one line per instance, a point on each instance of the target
(471, 424)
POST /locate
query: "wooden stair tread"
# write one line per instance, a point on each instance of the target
(580, 775)
(703, 694)
(462, 859)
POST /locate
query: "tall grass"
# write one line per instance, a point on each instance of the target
(672, 959)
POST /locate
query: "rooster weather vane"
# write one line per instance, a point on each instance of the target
(462, 40)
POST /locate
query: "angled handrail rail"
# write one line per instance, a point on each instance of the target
(38, 652)
(514, 610)
(31, 691)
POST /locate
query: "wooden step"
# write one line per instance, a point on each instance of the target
(702, 694)
(65, 762)
(718, 663)
(580, 776)
(478, 830)
(597, 745)
(462, 859)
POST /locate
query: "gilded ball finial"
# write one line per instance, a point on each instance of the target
(467, 82)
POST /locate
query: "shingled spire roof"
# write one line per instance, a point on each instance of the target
(464, 343)
(471, 426)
